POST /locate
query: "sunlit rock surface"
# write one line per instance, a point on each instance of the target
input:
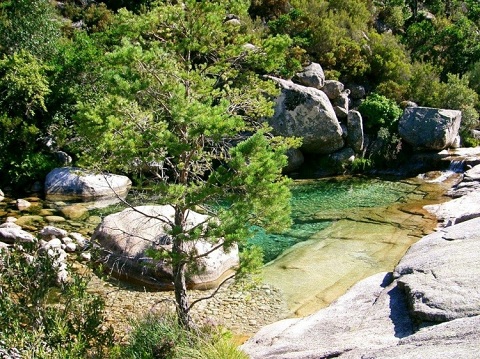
(429, 128)
(306, 112)
(75, 183)
(128, 236)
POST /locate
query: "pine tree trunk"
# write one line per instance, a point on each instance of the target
(179, 273)
(181, 297)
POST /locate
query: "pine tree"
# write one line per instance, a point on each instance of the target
(185, 96)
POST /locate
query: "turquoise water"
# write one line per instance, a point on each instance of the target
(315, 203)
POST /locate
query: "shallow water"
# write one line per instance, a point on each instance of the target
(345, 229)
(350, 229)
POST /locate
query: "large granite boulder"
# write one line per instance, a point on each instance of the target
(429, 128)
(307, 113)
(429, 308)
(76, 183)
(127, 236)
(311, 76)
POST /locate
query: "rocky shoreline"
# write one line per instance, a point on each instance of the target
(242, 310)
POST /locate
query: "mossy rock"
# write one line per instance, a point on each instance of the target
(54, 219)
(75, 212)
(30, 221)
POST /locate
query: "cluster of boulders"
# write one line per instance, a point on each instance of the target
(55, 242)
(429, 307)
(318, 111)
(125, 238)
(323, 113)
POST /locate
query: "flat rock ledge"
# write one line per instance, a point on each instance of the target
(429, 307)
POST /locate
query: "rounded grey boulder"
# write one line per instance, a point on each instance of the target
(307, 113)
(429, 128)
(311, 76)
(128, 237)
(75, 183)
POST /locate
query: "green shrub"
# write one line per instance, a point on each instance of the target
(379, 111)
(360, 165)
(469, 141)
(161, 336)
(43, 319)
(219, 348)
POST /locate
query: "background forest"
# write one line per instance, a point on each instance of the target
(59, 58)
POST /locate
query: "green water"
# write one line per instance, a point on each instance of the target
(316, 204)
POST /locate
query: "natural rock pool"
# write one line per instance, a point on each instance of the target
(345, 229)
(317, 204)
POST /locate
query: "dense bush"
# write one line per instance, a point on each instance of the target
(403, 50)
(41, 318)
(31, 25)
(378, 111)
(24, 87)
